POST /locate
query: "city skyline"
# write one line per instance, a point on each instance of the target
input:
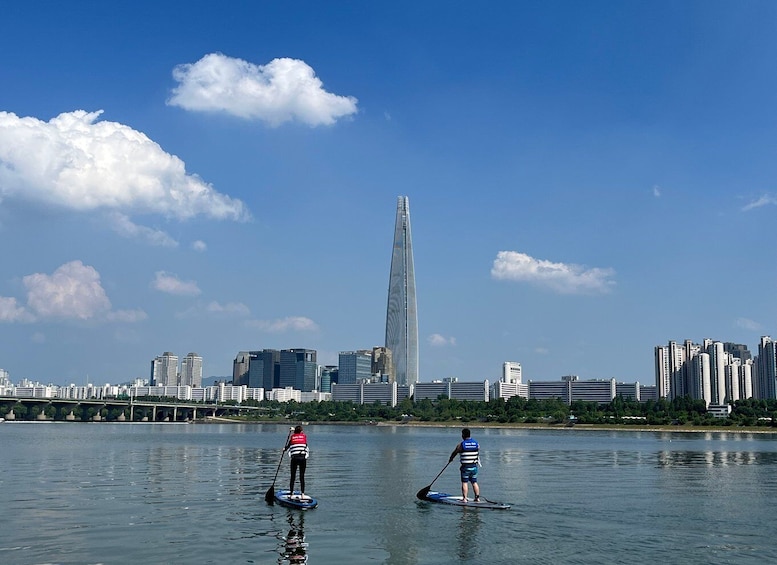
(586, 182)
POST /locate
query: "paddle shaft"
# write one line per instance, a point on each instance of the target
(271, 491)
(424, 491)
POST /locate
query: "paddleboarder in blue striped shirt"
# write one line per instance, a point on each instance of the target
(469, 457)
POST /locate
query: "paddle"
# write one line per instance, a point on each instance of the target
(270, 494)
(421, 494)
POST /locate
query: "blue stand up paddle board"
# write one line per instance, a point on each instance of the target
(445, 498)
(295, 499)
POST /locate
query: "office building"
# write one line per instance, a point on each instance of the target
(383, 364)
(298, 369)
(511, 372)
(401, 311)
(354, 366)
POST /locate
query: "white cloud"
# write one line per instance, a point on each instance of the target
(199, 245)
(656, 191)
(78, 163)
(171, 284)
(10, 311)
(122, 225)
(228, 309)
(280, 91)
(559, 277)
(438, 340)
(72, 292)
(748, 324)
(294, 323)
(764, 200)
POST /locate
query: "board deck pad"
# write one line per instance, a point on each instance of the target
(456, 500)
(295, 499)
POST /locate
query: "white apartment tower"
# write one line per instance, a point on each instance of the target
(164, 370)
(191, 370)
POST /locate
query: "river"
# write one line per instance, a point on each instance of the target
(101, 493)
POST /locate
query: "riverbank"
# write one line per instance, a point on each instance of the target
(590, 427)
(518, 426)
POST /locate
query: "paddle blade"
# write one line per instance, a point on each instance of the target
(269, 496)
(421, 494)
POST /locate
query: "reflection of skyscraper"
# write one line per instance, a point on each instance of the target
(401, 314)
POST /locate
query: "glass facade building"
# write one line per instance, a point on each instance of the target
(401, 313)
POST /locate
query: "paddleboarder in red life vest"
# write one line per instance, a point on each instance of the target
(299, 452)
(469, 457)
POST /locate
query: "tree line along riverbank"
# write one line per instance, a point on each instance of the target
(669, 414)
(676, 414)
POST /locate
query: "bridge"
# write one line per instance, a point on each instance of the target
(116, 410)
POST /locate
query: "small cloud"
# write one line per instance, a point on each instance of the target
(38, 337)
(656, 191)
(748, 324)
(280, 91)
(228, 309)
(765, 200)
(76, 162)
(437, 340)
(122, 225)
(559, 277)
(541, 350)
(165, 282)
(199, 246)
(10, 311)
(294, 323)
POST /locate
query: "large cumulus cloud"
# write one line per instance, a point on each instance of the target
(76, 162)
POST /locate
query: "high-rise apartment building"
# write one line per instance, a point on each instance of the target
(164, 370)
(191, 370)
(401, 312)
(716, 372)
(766, 371)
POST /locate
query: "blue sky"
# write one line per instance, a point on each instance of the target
(586, 179)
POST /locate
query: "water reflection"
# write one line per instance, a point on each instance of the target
(469, 526)
(714, 458)
(294, 548)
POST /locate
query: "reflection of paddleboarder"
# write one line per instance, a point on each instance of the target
(295, 550)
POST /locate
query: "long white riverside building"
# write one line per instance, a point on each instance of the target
(216, 393)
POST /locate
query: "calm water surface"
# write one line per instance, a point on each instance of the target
(190, 494)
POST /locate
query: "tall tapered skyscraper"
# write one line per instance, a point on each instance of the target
(401, 314)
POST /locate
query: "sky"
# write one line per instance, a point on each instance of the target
(587, 180)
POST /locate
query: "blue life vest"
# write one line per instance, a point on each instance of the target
(469, 454)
